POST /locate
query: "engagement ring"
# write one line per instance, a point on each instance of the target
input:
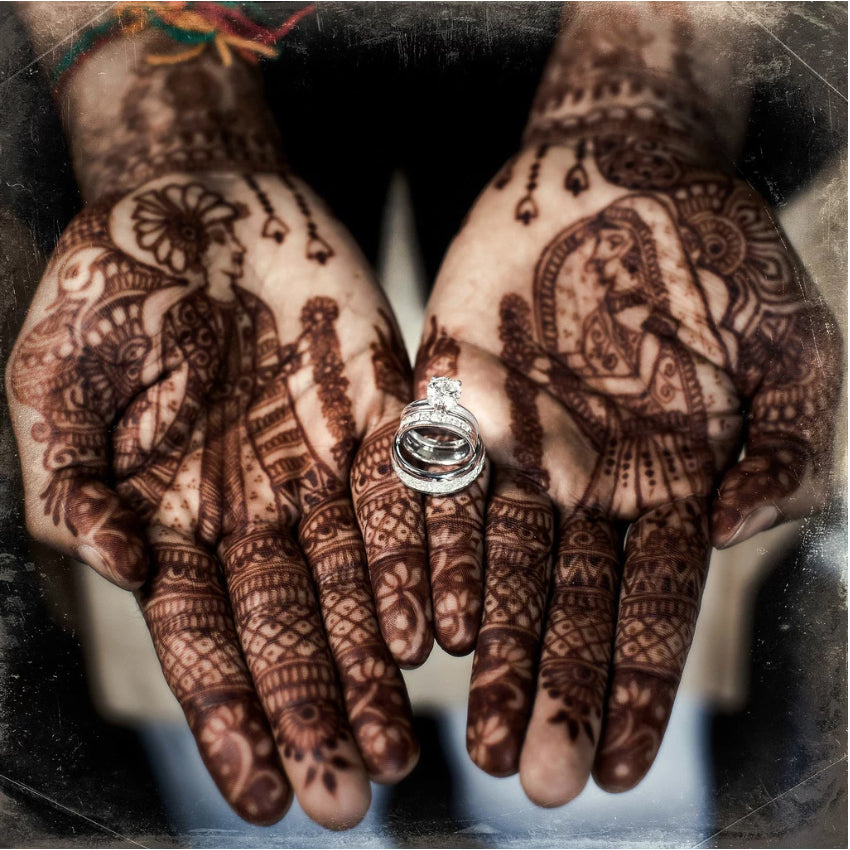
(437, 448)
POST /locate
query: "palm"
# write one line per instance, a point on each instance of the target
(610, 354)
(207, 332)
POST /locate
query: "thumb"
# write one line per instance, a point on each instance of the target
(786, 471)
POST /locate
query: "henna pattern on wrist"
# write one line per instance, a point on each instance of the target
(192, 117)
(153, 332)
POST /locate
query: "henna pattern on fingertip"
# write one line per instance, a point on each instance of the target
(519, 537)
(456, 547)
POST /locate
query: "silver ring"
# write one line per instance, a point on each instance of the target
(437, 448)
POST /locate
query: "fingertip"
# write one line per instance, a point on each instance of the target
(549, 782)
(262, 811)
(731, 526)
(349, 806)
(457, 639)
(390, 774)
(615, 774)
(410, 652)
(457, 620)
(128, 569)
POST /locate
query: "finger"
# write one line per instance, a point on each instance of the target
(393, 528)
(518, 548)
(186, 609)
(785, 474)
(372, 688)
(667, 553)
(565, 723)
(275, 608)
(455, 526)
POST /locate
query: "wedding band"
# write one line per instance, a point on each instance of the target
(437, 448)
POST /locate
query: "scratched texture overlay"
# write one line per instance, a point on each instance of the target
(439, 92)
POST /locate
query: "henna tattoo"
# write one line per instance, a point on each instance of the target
(526, 208)
(275, 609)
(189, 619)
(635, 70)
(580, 625)
(437, 354)
(273, 227)
(456, 541)
(393, 375)
(391, 522)
(192, 117)
(518, 351)
(518, 547)
(153, 332)
(372, 687)
(317, 248)
(666, 562)
(650, 320)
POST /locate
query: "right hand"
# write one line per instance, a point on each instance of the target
(204, 395)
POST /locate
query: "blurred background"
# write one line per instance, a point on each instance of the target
(398, 114)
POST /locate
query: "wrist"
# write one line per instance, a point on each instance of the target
(147, 91)
(654, 70)
(129, 121)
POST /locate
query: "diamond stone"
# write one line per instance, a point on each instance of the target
(443, 393)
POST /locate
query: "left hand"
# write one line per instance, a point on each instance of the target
(611, 335)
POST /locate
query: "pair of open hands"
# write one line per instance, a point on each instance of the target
(205, 394)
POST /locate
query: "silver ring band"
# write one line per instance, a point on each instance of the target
(437, 448)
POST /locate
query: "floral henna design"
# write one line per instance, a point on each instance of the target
(275, 610)
(153, 331)
(391, 522)
(189, 618)
(518, 551)
(456, 548)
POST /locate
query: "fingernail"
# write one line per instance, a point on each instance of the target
(758, 521)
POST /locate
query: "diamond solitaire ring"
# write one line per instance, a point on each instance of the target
(437, 448)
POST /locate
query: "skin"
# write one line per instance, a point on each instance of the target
(648, 322)
(203, 394)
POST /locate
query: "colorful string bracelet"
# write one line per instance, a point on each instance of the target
(198, 25)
